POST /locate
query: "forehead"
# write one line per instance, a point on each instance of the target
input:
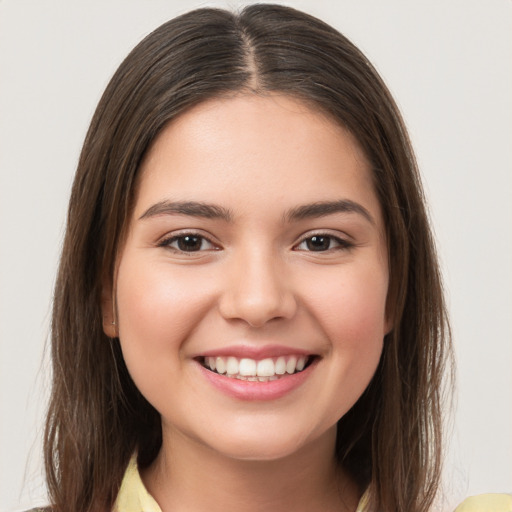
(255, 149)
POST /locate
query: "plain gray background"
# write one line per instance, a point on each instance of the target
(449, 65)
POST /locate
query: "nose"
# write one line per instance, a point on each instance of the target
(258, 289)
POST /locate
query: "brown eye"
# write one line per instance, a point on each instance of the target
(323, 243)
(318, 243)
(188, 242)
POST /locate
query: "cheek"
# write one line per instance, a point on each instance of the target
(352, 302)
(351, 311)
(157, 310)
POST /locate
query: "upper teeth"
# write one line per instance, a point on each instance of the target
(245, 367)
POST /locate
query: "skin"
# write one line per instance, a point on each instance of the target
(254, 281)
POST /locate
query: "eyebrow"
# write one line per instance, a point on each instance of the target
(213, 211)
(324, 208)
(192, 208)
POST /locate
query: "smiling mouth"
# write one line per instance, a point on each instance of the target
(264, 370)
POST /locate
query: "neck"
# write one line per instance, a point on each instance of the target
(188, 476)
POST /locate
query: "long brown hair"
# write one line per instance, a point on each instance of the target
(390, 441)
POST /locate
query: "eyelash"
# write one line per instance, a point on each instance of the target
(341, 244)
(167, 242)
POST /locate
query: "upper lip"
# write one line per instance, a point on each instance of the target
(255, 352)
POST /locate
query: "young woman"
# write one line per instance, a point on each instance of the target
(248, 313)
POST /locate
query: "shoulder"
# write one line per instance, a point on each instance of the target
(487, 503)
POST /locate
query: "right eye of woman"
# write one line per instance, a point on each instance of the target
(188, 242)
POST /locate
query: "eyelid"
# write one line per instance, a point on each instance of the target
(167, 239)
(344, 241)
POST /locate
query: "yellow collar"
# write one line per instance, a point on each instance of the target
(133, 495)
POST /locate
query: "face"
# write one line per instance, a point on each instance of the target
(251, 288)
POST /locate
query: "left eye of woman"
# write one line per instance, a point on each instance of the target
(322, 243)
(188, 242)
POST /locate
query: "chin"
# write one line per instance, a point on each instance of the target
(266, 445)
(261, 452)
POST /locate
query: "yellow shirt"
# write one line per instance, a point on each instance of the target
(134, 497)
(487, 503)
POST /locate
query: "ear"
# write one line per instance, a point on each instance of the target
(108, 310)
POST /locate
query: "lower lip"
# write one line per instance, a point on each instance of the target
(247, 390)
